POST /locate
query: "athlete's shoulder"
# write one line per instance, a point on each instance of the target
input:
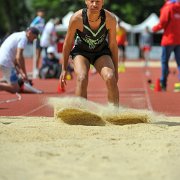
(109, 15)
(76, 21)
(21, 34)
(77, 16)
(110, 20)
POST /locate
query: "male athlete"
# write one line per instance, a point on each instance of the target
(92, 26)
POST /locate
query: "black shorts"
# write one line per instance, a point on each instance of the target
(91, 56)
(122, 47)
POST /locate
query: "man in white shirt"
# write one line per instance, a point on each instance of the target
(49, 37)
(12, 60)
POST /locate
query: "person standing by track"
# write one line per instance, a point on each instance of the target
(170, 23)
(121, 37)
(39, 23)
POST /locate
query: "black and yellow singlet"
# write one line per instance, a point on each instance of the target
(91, 43)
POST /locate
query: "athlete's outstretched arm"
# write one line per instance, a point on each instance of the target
(20, 63)
(111, 26)
(68, 43)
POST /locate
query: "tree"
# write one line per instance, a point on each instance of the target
(13, 15)
(17, 14)
(57, 8)
(134, 12)
(130, 11)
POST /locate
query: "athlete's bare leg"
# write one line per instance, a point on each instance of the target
(105, 68)
(38, 56)
(12, 88)
(81, 69)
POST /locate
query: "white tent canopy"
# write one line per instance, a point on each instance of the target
(66, 19)
(65, 22)
(126, 26)
(149, 22)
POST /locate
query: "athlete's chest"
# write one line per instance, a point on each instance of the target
(94, 26)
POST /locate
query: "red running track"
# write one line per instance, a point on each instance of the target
(133, 86)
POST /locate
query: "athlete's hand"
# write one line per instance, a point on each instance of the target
(62, 79)
(24, 77)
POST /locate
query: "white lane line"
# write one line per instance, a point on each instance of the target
(18, 98)
(42, 106)
(34, 110)
(147, 97)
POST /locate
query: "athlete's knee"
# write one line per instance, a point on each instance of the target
(82, 78)
(110, 80)
(15, 89)
(109, 76)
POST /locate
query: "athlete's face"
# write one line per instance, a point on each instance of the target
(94, 6)
(31, 36)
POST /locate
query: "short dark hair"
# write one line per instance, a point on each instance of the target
(40, 10)
(34, 30)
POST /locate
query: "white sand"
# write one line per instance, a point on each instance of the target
(43, 148)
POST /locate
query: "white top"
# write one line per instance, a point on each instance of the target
(51, 49)
(9, 48)
(47, 38)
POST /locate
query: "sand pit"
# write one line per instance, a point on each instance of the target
(79, 111)
(46, 148)
(75, 116)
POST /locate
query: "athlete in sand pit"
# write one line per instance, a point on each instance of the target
(92, 26)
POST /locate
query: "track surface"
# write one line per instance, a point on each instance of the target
(134, 93)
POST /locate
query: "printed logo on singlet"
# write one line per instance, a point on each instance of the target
(91, 42)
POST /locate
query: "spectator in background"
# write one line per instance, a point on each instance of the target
(121, 38)
(170, 23)
(145, 43)
(39, 23)
(51, 67)
(12, 60)
(49, 36)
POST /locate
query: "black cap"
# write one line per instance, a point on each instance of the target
(34, 30)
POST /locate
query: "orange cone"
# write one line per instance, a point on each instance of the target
(60, 89)
(157, 86)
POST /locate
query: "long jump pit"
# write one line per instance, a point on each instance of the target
(87, 140)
